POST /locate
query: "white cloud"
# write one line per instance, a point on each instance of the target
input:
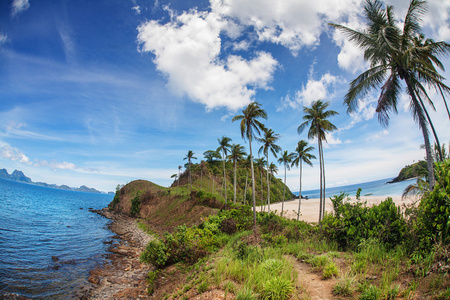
(313, 90)
(137, 9)
(291, 23)
(3, 38)
(187, 51)
(365, 111)
(18, 6)
(13, 154)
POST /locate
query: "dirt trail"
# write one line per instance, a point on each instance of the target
(312, 283)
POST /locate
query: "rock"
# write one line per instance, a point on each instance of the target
(94, 279)
(55, 258)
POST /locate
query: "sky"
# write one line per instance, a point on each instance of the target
(100, 93)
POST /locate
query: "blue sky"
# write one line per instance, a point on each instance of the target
(104, 92)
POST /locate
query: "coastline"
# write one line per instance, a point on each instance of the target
(122, 276)
(309, 211)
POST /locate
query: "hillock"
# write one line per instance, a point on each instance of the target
(418, 169)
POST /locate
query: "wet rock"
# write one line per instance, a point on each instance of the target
(55, 258)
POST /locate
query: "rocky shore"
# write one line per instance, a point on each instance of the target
(123, 276)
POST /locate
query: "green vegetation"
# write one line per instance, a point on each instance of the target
(388, 253)
(418, 169)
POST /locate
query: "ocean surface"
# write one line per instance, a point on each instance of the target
(49, 240)
(375, 188)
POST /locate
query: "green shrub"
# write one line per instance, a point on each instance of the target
(135, 205)
(246, 294)
(330, 270)
(278, 288)
(151, 279)
(433, 221)
(345, 286)
(155, 253)
(353, 222)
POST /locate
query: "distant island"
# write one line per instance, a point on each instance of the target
(418, 169)
(20, 177)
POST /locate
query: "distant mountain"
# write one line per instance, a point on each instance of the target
(20, 177)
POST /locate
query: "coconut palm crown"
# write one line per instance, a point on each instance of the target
(397, 54)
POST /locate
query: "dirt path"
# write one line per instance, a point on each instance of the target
(312, 283)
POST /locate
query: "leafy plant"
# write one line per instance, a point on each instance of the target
(278, 288)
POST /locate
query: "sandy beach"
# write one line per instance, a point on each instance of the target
(309, 211)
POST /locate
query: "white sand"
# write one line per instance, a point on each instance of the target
(309, 210)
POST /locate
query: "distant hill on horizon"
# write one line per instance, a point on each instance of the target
(20, 177)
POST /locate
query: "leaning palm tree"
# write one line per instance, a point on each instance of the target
(190, 157)
(316, 117)
(251, 128)
(285, 159)
(268, 141)
(302, 154)
(397, 54)
(224, 143)
(237, 153)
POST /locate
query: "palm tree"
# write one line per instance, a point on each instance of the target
(224, 143)
(237, 153)
(190, 157)
(316, 118)
(268, 141)
(179, 170)
(397, 54)
(251, 128)
(211, 155)
(302, 154)
(285, 159)
(246, 166)
(175, 176)
(273, 169)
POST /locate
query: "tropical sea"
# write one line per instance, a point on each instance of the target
(372, 188)
(49, 240)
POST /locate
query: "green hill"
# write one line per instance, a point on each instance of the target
(418, 169)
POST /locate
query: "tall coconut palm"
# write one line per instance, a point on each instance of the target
(224, 143)
(316, 118)
(286, 159)
(179, 170)
(237, 153)
(251, 128)
(268, 145)
(273, 169)
(302, 154)
(397, 54)
(190, 157)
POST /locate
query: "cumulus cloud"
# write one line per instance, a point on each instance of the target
(291, 23)
(313, 90)
(18, 6)
(187, 51)
(365, 111)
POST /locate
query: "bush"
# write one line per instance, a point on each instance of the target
(135, 205)
(433, 221)
(354, 222)
(155, 253)
(278, 288)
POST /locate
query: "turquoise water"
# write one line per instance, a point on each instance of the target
(38, 223)
(376, 188)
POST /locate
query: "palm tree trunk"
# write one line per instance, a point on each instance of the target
(320, 191)
(234, 200)
(445, 102)
(263, 206)
(245, 190)
(423, 126)
(253, 184)
(300, 192)
(284, 189)
(268, 184)
(432, 128)
(224, 180)
(324, 184)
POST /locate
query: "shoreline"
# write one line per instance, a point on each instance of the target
(309, 211)
(122, 275)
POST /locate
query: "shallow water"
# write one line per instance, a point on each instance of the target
(375, 188)
(38, 223)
